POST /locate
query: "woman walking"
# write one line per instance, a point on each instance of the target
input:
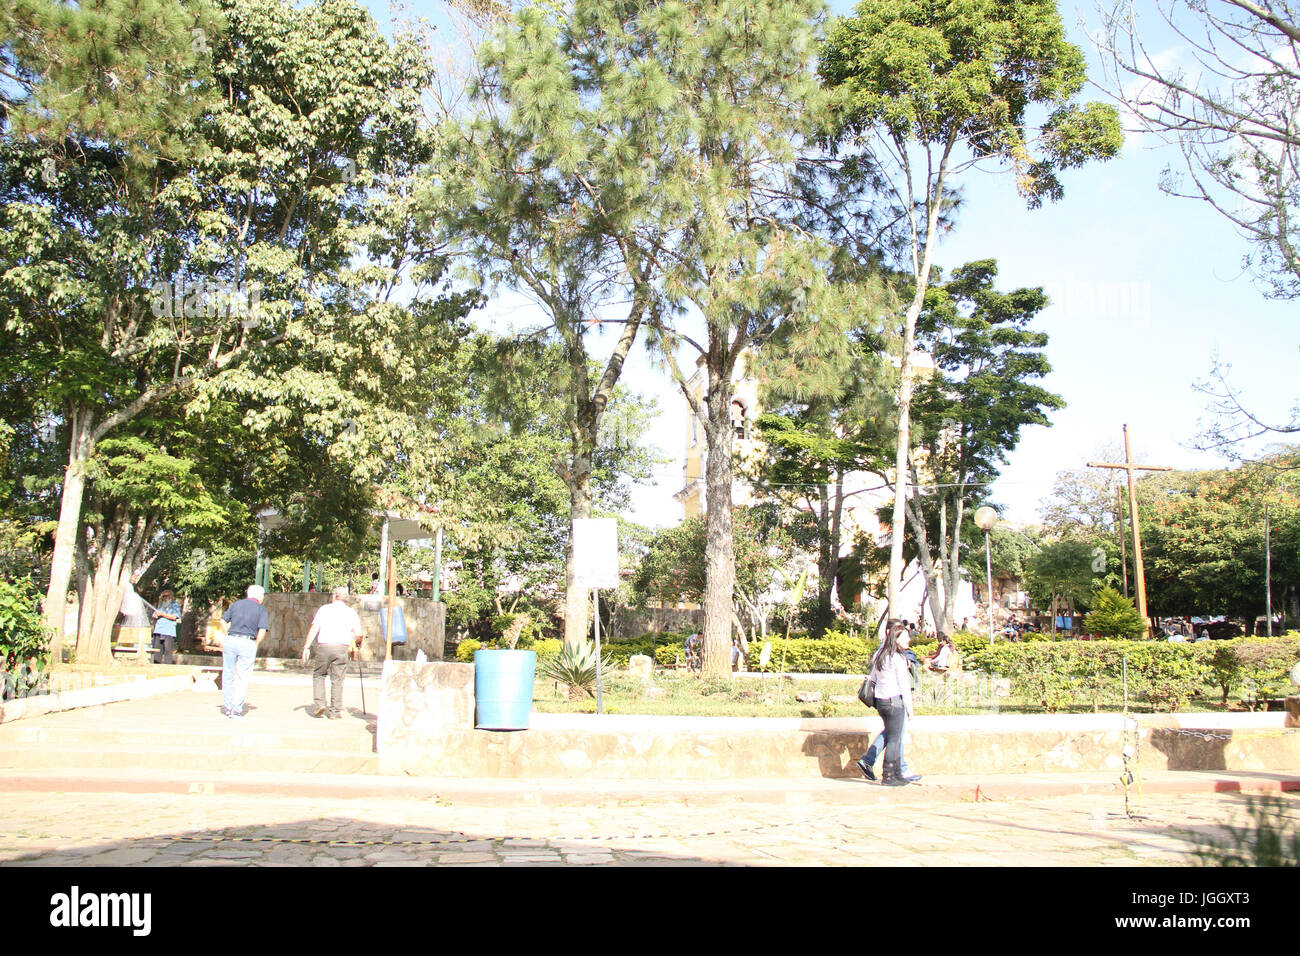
(893, 699)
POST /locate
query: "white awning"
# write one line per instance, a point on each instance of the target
(400, 528)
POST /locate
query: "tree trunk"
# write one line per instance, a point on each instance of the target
(902, 446)
(104, 600)
(952, 569)
(575, 595)
(825, 574)
(116, 562)
(719, 549)
(926, 560)
(837, 525)
(587, 406)
(80, 448)
(922, 253)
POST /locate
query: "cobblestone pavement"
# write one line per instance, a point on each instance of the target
(66, 829)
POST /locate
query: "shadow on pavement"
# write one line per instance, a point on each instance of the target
(341, 841)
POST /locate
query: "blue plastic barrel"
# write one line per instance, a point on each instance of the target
(503, 688)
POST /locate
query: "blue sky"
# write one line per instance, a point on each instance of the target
(1145, 290)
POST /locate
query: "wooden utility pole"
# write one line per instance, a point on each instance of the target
(1123, 549)
(1139, 574)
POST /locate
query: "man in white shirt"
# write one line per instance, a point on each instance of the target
(334, 628)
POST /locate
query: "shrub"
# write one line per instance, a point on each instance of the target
(1166, 675)
(1260, 663)
(1054, 673)
(24, 639)
(1038, 673)
(546, 648)
(834, 653)
(620, 651)
(466, 648)
(668, 654)
(1113, 615)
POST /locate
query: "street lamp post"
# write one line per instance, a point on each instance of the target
(986, 518)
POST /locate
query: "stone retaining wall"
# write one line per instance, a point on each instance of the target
(633, 622)
(291, 616)
(97, 694)
(426, 728)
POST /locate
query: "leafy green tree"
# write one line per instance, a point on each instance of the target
(129, 72)
(258, 264)
(1086, 503)
(24, 639)
(969, 412)
(675, 567)
(1113, 615)
(929, 88)
(1010, 550)
(1063, 572)
(1203, 539)
(484, 463)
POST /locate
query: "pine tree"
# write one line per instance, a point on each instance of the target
(1113, 615)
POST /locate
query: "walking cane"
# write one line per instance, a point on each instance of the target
(361, 677)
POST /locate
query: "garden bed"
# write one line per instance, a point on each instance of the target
(679, 694)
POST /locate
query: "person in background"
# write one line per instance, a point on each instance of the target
(334, 629)
(246, 624)
(693, 656)
(165, 618)
(944, 656)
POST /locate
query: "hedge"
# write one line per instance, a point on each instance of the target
(1050, 674)
(834, 653)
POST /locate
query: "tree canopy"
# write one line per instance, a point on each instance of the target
(926, 88)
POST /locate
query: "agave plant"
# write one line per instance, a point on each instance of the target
(575, 666)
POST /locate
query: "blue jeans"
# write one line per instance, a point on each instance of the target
(893, 712)
(878, 745)
(237, 654)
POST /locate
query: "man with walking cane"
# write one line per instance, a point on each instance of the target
(334, 628)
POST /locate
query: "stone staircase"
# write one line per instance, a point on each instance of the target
(186, 732)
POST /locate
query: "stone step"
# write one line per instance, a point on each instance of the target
(224, 735)
(187, 759)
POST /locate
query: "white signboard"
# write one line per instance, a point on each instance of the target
(595, 552)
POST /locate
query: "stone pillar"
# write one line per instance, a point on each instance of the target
(418, 705)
